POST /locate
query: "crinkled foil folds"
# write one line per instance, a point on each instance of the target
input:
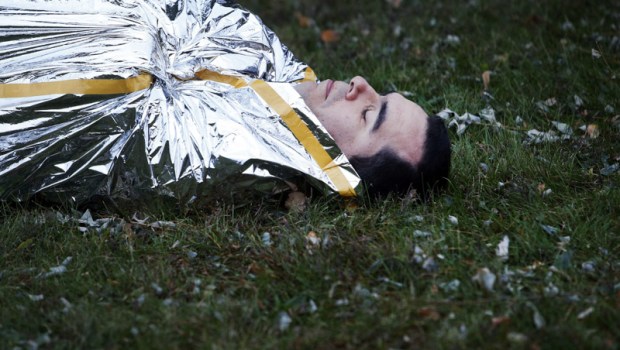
(182, 137)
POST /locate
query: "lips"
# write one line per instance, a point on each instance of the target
(328, 88)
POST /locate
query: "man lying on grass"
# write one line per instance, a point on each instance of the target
(390, 141)
(190, 100)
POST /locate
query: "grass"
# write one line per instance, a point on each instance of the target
(212, 282)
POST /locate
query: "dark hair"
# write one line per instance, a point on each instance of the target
(385, 172)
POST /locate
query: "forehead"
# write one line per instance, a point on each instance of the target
(405, 127)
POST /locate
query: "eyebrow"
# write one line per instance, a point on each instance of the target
(381, 117)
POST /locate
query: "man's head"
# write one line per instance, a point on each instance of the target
(390, 140)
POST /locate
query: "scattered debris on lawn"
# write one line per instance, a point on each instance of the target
(502, 249)
(57, 270)
(461, 122)
(485, 278)
(284, 321)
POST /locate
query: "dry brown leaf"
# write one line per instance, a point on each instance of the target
(296, 202)
(486, 79)
(351, 205)
(500, 320)
(302, 20)
(541, 187)
(394, 3)
(429, 312)
(593, 131)
(330, 36)
(312, 240)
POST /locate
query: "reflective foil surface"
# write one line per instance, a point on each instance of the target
(142, 122)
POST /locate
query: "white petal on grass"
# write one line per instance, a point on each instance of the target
(484, 168)
(488, 114)
(485, 278)
(452, 39)
(563, 127)
(163, 224)
(502, 249)
(453, 220)
(421, 234)
(66, 303)
(266, 239)
(342, 302)
(158, 290)
(549, 229)
(430, 265)
(36, 297)
(578, 100)
(547, 192)
(588, 266)
(568, 25)
(192, 254)
(516, 337)
(610, 169)
(451, 286)
(535, 136)
(551, 290)
(312, 239)
(518, 120)
(390, 282)
(312, 308)
(57, 270)
(596, 53)
(539, 320)
(585, 313)
(284, 321)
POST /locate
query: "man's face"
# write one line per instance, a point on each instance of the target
(362, 122)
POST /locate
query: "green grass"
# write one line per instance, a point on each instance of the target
(138, 287)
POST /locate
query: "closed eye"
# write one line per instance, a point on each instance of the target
(364, 113)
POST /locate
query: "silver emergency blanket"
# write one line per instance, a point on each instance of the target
(177, 135)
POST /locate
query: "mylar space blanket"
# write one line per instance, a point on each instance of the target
(187, 99)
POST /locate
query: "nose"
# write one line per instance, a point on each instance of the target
(359, 87)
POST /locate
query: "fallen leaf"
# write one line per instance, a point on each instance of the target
(429, 312)
(515, 337)
(453, 220)
(585, 313)
(537, 317)
(266, 239)
(25, 244)
(502, 249)
(312, 240)
(296, 202)
(593, 131)
(303, 21)
(284, 321)
(329, 36)
(394, 3)
(552, 101)
(578, 101)
(500, 320)
(485, 278)
(486, 79)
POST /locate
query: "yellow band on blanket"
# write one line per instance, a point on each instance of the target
(294, 123)
(144, 80)
(78, 87)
